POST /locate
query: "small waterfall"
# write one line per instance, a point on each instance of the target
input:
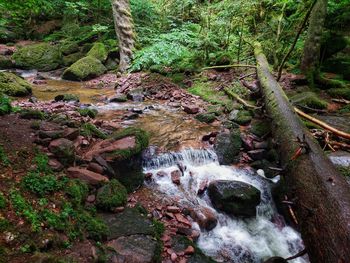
(233, 240)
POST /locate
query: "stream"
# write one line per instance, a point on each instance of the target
(233, 240)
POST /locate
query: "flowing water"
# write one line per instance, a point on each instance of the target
(233, 239)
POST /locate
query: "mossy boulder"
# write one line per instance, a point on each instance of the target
(309, 99)
(32, 114)
(67, 97)
(72, 58)
(98, 51)
(206, 117)
(86, 112)
(43, 57)
(63, 149)
(77, 191)
(5, 62)
(85, 68)
(13, 85)
(68, 48)
(227, 147)
(111, 195)
(340, 93)
(241, 117)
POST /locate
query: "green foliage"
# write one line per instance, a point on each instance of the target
(340, 93)
(77, 191)
(5, 105)
(89, 130)
(42, 163)
(41, 184)
(88, 112)
(4, 160)
(2, 201)
(111, 195)
(23, 208)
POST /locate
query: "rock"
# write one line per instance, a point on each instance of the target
(134, 249)
(260, 128)
(257, 154)
(119, 98)
(233, 197)
(191, 109)
(241, 117)
(68, 47)
(98, 51)
(189, 250)
(95, 168)
(87, 176)
(206, 117)
(50, 134)
(55, 165)
(202, 187)
(6, 63)
(63, 149)
(67, 97)
(340, 158)
(84, 69)
(173, 257)
(173, 209)
(91, 198)
(227, 147)
(106, 167)
(43, 57)
(111, 195)
(136, 95)
(12, 85)
(204, 216)
(175, 177)
(276, 260)
(72, 58)
(180, 218)
(32, 114)
(71, 133)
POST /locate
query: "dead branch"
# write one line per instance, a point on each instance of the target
(230, 66)
(323, 124)
(344, 101)
(239, 99)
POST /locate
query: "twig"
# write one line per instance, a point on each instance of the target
(246, 76)
(230, 66)
(239, 99)
(323, 124)
(344, 101)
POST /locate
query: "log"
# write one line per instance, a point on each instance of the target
(321, 193)
(239, 99)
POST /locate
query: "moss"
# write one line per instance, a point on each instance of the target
(206, 117)
(72, 58)
(77, 191)
(32, 114)
(89, 130)
(2, 201)
(141, 137)
(243, 117)
(13, 85)
(345, 109)
(67, 97)
(310, 100)
(159, 229)
(92, 113)
(85, 68)
(111, 195)
(5, 62)
(344, 170)
(98, 51)
(310, 125)
(4, 225)
(260, 128)
(340, 93)
(43, 57)
(69, 47)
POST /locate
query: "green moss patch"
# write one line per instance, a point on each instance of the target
(309, 99)
(13, 85)
(89, 130)
(32, 114)
(98, 51)
(260, 128)
(84, 69)
(111, 195)
(206, 117)
(340, 93)
(92, 113)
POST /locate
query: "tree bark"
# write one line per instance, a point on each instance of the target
(322, 195)
(124, 28)
(311, 57)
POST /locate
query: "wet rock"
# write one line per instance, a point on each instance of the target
(63, 149)
(106, 167)
(210, 135)
(175, 177)
(67, 97)
(138, 111)
(206, 117)
(173, 209)
(119, 98)
(87, 176)
(191, 109)
(71, 133)
(227, 147)
(136, 95)
(340, 158)
(134, 248)
(233, 197)
(202, 187)
(205, 217)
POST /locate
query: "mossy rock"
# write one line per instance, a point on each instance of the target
(227, 147)
(67, 97)
(90, 130)
(43, 57)
(309, 99)
(98, 51)
(260, 128)
(68, 48)
(241, 117)
(111, 195)
(206, 117)
(12, 85)
(72, 58)
(112, 64)
(5, 62)
(84, 69)
(86, 112)
(32, 114)
(340, 93)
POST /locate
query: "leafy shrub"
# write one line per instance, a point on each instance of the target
(5, 105)
(41, 184)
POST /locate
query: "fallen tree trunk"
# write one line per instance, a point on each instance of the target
(322, 196)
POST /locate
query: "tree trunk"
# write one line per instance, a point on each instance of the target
(311, 58)
(322, 195)
(124, 28)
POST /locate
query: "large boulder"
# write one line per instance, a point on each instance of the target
(233, 197)
(13, 85)
(98, 51)
(227, 147)
(43, 57)
(85, 68)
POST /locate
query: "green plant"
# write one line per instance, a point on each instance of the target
(41, 184)
(89, 130)
(2, 201)
(5, 105)
(77, 191)
(42, 163)
(88, 112)
(4, 160)
(111, 195)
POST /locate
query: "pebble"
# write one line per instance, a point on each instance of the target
(173, 257)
